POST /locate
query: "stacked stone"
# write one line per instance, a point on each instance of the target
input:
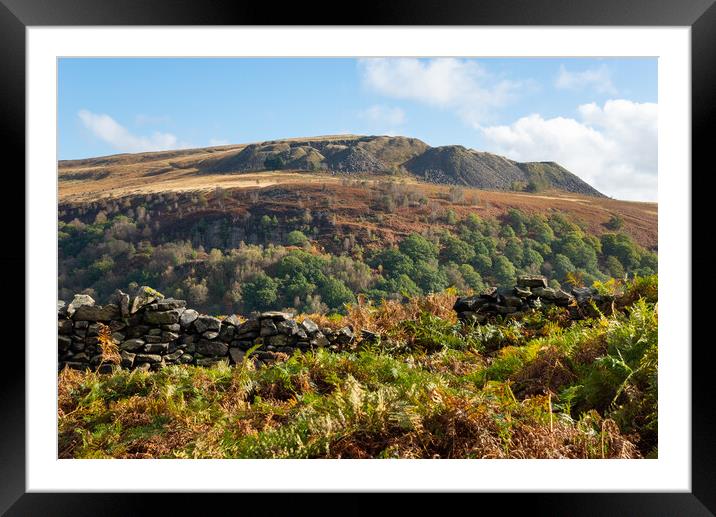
(531, 292)
(152, 332)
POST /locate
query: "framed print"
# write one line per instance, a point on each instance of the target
(381, 257)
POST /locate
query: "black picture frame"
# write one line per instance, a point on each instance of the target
(17, 15)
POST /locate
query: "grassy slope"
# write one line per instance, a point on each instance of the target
(540, 388)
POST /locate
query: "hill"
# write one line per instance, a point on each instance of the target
(342, 154)
(314, 240)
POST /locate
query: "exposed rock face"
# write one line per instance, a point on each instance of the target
(451, 164)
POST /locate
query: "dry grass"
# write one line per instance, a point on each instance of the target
(541, 395)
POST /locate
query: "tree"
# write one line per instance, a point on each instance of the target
(296, 238)
(517, 220)
(472, 277)
(429, 277)
(297, 287)
(622, 247)
(514, 251)
(335, 294)
(532, 260)
(503, 271)
(394, 263)
(562, 266)
(260, 293)
(418, 248)
(483, 264)
(456, 250)
(614, 267)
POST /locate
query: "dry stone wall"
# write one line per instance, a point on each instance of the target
(531, 292)
(151, 331)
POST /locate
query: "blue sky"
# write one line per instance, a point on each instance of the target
(595, 116)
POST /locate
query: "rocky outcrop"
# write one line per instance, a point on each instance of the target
(152, 331)
(531, 292)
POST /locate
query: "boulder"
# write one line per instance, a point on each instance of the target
(243, 345)
(97, 313)
(232, 320)
(288, 327)
(145, 296)
(188, 317)
(156, 348)
(248, 327)
(174, 355)
(63, 343)
(138, 331)
(163, 317)
(531, 281)
(61, 308)
(127, 359)
(344, 336)
(132, 345)
(280, 340)
(489, 292)
(511, 301)
(227, 332)
(268, 328)
(169, 336)
(212, 348)
(78, 301)
(210, 334)
(275, 315)
(122, 300)
(544, 292)
(64, 327)
(148, 358)
(523, 292)
(562, 297)
(168, 304)
(204, 323)
(309, 326)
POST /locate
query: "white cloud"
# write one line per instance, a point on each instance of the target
(613, 147)
(383, 115)
(145, 120)
(109, 130)
(460, 85)
(599, 79)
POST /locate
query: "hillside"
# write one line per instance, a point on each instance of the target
(342, 154)
(315, 240)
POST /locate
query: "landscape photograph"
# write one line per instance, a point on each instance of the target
(357, 258)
